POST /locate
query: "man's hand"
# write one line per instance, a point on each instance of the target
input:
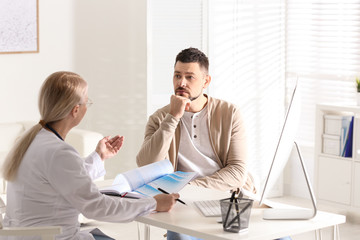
(108, 148)
(165, 202)
(178, 105)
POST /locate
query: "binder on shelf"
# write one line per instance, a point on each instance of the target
(347, 148)
(345, 124)
(356, 140)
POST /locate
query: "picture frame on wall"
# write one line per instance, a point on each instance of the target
(19, 26)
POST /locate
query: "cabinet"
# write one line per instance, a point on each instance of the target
(337, 179)
(357, 184)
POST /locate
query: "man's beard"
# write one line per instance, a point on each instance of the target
(190, 98)
(194, 98)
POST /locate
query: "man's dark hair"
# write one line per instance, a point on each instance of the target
(190, 55)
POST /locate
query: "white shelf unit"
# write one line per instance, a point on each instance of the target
(337, 179)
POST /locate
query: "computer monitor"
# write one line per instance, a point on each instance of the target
(282, 152)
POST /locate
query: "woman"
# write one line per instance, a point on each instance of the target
(50, 184)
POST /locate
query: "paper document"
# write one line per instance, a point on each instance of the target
(144, 181)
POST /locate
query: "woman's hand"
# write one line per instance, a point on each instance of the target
(165, 202)
(108, 148)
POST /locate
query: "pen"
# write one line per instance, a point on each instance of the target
(163, 191)
(228, 211)
(237, 217)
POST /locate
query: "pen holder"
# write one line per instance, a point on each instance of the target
(235, 214)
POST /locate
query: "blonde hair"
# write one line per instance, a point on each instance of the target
(60, 92)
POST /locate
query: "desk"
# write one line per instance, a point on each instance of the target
(189, 220)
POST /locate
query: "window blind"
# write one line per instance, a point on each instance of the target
(173, 25)
(247, 57)
(323, 52)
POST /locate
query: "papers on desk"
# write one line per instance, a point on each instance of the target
(145, 181)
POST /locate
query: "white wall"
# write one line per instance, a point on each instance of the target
(21, 75)
(103, 41)
(110, 53)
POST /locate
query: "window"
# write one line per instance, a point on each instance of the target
(323, 51)
(172, 26)
(246, 50)
(257, 50)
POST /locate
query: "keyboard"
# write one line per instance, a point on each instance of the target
(209, 208)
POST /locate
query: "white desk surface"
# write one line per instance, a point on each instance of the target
(189, 220)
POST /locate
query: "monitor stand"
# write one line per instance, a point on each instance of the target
(294, 213)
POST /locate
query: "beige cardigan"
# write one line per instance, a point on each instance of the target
(228, 140)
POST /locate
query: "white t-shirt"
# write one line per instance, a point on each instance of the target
(195, 151)
(54, 184)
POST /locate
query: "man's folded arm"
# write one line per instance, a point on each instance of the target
(230, 177)
(158, 137)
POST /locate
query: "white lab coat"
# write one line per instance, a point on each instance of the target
(54, 184)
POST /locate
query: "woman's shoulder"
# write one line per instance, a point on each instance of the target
(50, 145)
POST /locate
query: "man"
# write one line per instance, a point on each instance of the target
(197, 132)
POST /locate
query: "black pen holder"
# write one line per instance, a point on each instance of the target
(235, 214)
